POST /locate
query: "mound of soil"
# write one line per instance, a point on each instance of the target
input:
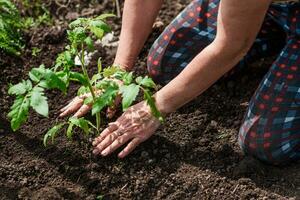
(193, 156)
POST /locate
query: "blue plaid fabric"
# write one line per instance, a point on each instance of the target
(271, 128)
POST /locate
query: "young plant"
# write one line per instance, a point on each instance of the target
(103, 87)
(10, 25)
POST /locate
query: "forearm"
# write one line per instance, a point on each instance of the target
(238, 25)
(205, 69)
(138, 18)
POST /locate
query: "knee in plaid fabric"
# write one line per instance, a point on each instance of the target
(190, 32)
(271, 129)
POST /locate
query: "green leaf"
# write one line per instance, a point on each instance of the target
(38, 101)
(97, 31)
(81, 123)
(70, 131)
(100, 25)
(89, 42)
(52, 81)
(20, 88)
(127, 78)
(77, 22)
(88, 100)
(52, 133)
(36, 74)
(64, 59)
(109, 71)
(129, 94)
(104, 16)
(68, 57)
(19, 112)
(138, 80)
(151, 102)
(105, 99)
(82, 90)
(76, 76)
(95, 78)
(147, 82)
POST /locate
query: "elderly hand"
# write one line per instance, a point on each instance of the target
(78, 107)
(135, 126)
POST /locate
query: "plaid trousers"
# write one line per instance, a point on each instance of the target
(271, 127)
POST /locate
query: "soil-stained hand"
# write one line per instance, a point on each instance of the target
(135, 126)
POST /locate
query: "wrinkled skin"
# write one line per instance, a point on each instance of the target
(134, 126)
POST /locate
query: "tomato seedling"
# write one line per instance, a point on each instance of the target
(102, 87)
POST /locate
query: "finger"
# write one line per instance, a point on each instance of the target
(130, 147)
(72, 108)
(83, 110)
(111, 128)
(116, 144)
(70, 103)
(67, 106)
(108, 140)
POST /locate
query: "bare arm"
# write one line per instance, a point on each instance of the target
(238, 24)
(138, 18)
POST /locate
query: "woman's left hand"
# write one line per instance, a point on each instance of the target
(135, 126)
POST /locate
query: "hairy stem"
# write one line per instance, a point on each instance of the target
(84, 70)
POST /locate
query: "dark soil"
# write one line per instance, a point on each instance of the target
(195, 154)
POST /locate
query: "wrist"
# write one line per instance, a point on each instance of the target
(124, 65)
(121, 66)
(162, 105)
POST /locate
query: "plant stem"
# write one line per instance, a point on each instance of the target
(118, 8)
(84, 70)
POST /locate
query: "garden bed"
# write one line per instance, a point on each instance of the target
(194, 155)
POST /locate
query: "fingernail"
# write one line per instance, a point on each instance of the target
(95, 151)
(104, 153)
(94, 143)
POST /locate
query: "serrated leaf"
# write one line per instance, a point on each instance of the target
(38, 101)
(129, 94)
(82, 90)
(76, 76)
(77, 22)
(138, 80)
(147, 82)
(19, 112)
(52, 133)
(36, 74)
(81, 123)
(127, 78)
(68, 57)
(109, 71)
(52, 81)
(104, 16)
(100, 25)
(95, 78)
(89, 42)
(105, 99)
(18, 89)
(151, 102)
(97, 31)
